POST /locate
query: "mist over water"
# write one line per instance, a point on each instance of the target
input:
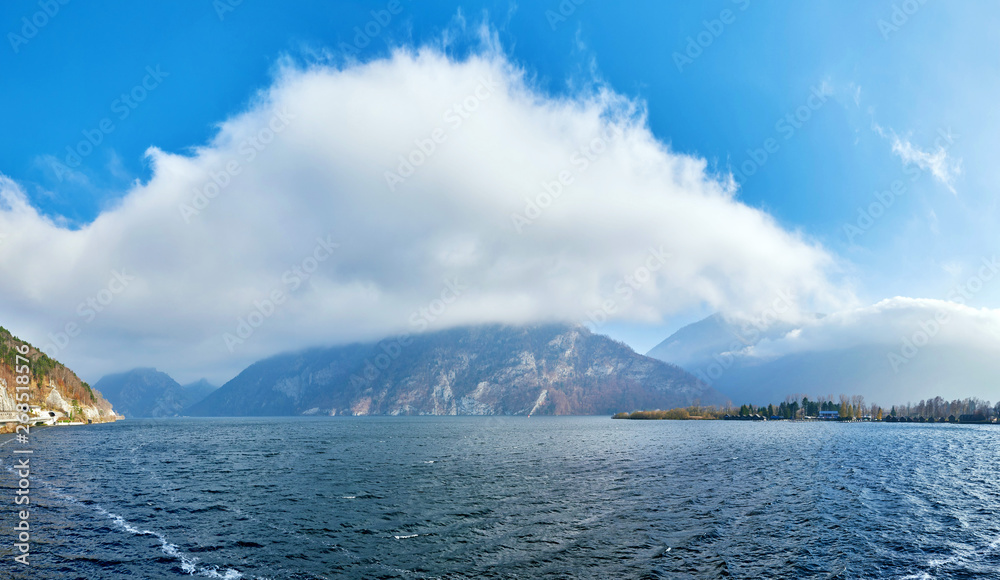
(456, 497)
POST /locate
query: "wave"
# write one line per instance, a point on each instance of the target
(189, 563)
(963, 559)
(966, 557)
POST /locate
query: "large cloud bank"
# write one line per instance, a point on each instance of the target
(899, 349)
(414, 192)
(901, 327)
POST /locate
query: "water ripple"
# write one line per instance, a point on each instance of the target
(451, 497)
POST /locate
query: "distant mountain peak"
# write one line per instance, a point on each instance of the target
(713, 350)
(147, 392)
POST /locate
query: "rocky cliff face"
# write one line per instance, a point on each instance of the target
(54, 391)
(485, 370)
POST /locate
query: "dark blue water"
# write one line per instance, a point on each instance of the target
(453, 497)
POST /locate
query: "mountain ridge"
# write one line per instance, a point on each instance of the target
(147, 392)
(479, 370)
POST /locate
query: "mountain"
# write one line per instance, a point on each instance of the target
(147, 392)
(54, 392)
(484, 370)
(696, 344)
(715, 351)
(197, 391)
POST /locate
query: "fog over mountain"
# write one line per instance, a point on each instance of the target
(327, 224)
(446, 191)
(895, 351)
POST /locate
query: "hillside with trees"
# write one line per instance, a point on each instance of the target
(52, 387)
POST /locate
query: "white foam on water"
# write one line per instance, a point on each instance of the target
(188, 563)
(967, 556)
(961, 558)
(348, 497)
(405, 537)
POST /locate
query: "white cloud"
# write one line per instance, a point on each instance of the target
(324, 175)
(933, 222)
(944, 168)
(953, 268)
(59, 169)
(938, 163)
(887, 324)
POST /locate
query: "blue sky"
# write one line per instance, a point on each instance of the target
(907, 89)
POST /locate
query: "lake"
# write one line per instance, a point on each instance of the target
(508, 497)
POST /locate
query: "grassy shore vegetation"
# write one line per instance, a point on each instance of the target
(847, 408)
(678, 414)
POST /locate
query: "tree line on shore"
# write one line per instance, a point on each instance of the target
(847, 408)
